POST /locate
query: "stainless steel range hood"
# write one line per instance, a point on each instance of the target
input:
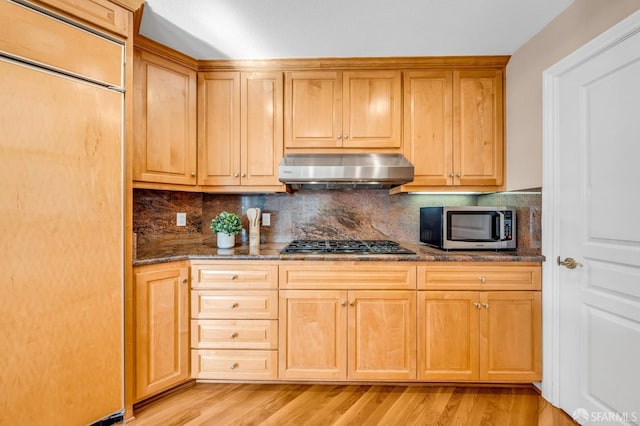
(344, 171)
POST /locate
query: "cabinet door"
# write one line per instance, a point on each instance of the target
(261, 145)
(510, 336)
(313, 334)
(219, 128)
(478, 127)
(382, 335)
(165, 125)
(448, 335)
(428, 126)
(372, 113)
(313, 109)
(162, 327)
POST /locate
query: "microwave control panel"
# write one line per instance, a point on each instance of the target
(508, 225)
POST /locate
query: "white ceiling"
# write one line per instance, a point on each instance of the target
(258, 29)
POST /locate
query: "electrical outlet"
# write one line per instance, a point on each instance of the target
(266, 219)
(181, 219)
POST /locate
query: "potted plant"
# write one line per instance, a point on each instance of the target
(226, 225)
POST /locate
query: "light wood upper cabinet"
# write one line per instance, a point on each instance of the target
(428, 126)
(240, 129)
(453, 128)
(165, 121)
(161, 327)
(478, 133)
(351, 109)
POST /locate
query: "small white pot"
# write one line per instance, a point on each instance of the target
(226, 240)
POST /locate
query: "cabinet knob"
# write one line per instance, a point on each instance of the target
(485, 305)
(184, 281)
(235, 175)
(482, 279)
(233, 335)
(352, 303)
(346, 136)
(242, 175)
(477, 305)
(339, 137)
(233, 305)
(193, 174)
(458, 174)
(233, 366)
(451, 174)
(343, 303)
(233, 277)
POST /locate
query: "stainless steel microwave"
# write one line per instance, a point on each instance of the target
(469, 227)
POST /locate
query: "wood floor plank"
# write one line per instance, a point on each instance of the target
(350, 404)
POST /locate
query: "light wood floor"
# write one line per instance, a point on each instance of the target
(292, 404)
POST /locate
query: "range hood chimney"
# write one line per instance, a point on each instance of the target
(344, 171)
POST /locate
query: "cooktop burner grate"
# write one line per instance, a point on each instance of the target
(344, 247)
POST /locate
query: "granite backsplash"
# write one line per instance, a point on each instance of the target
(356, 214)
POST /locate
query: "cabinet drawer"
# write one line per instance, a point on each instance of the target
(479, 277)
(234, 334)
(37, 37)
(234, 276)
(227, 304)
(234, 364)
(348, 275)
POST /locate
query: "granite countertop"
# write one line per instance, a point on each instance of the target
(171, 251)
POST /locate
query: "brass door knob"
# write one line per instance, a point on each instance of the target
(569, 262)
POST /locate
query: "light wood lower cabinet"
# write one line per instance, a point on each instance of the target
(344, 333)
(161, 327)
(489, 336)
(234, 320)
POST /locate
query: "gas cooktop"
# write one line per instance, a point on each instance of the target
(344, 247)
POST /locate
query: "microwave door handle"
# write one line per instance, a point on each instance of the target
(502, 234)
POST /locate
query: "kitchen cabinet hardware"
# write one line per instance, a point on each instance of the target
(233, 277)
(477, 305)
(184, 281)
(233, 305)
(351, 303)
(485, 305)
(343, 303)
(482, 279)
(193, 174)
(233, 335)
(569, 262)
(233, 366)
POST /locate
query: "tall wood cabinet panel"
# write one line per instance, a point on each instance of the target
(428, 126)
(62, 203)
(165, 125)
(350, 109)
(240, 122)
(162, 327)
(478, 127)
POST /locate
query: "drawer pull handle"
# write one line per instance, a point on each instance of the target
(233, 366)
(233, 305)
(233, 335)
(482, 279)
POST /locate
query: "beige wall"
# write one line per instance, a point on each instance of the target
(579, 23)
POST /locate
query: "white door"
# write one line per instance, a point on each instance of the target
(591, 213)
